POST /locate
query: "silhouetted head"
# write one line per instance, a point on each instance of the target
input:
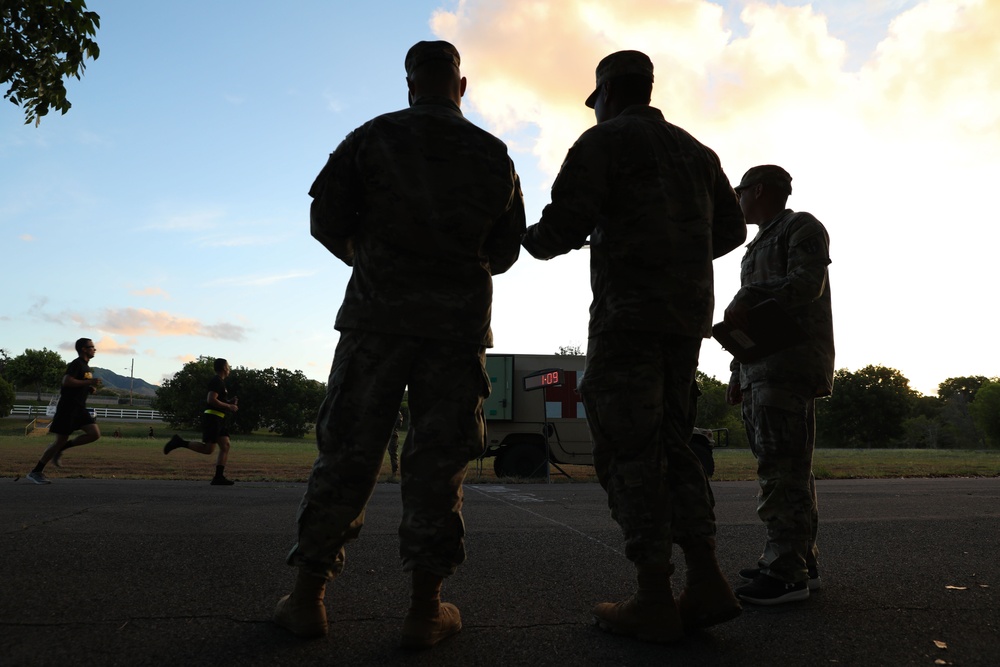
(624, 78)
(763, 192)
(432, 70)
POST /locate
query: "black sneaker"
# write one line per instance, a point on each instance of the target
(37, 477)
(175, 442)
(814, 582)
(222, 481)
(768, 590)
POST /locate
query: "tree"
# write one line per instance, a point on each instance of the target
(867, 408)
(6, 397)
(37, 369)
(296, 404)
(181, 399)
(41, 43)
(715, 412)
(985, 409)
(285, 402)
(570, 351)
(966, 387)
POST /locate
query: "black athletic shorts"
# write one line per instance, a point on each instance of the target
(212, 428)
(68, 420)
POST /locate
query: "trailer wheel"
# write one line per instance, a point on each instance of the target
(525, 459)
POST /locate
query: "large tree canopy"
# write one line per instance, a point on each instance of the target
(286, 402)
(41, 43)
(38, 369)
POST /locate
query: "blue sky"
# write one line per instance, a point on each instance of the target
(166, 214)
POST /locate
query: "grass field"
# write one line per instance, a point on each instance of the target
(266, 457)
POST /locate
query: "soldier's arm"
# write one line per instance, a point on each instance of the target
(503, 245)
(729, 229)
(578, 196)
(805, 278)
(335, 214)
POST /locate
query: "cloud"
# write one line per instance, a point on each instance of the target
(150, 291)
(895, 150)
(108, 345)
(141, 321)
(28, 238)
(228, 240)
(186, 222)
(259, 281)
(333, 104)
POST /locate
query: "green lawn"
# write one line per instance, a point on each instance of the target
(267, 457)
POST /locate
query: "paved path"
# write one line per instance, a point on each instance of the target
(105, 572)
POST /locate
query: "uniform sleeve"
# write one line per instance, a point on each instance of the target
(729, 229)
(806, 274)
(503, 246)
(578, 196)
(336, 211)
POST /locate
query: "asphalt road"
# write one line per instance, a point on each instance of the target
(105, 572)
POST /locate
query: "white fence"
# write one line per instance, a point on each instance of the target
(100, 413)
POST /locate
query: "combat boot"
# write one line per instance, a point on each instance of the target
(302, 612)
(707, 598)
(650, 614)
(428, 620)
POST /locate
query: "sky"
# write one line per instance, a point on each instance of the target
(166, 216)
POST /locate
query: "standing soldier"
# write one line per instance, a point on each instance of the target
(71, 411)
(213, 424)
(426, 208)
(787, 261)
(658, 209)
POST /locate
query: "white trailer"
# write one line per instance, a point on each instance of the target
(535, 407)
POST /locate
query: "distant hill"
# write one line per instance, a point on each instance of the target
(113, 380)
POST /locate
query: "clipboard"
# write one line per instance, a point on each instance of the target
(770, 329)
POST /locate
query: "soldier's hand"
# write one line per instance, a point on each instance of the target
(736, 315)
(734, 395)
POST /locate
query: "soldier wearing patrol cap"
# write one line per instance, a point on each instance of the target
(657, 208)
(787, 261)
(427, 208)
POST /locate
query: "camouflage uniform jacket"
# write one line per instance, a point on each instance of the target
(425, 207)
(787, 261)
(658, 209)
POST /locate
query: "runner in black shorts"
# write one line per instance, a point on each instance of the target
(71, 412)
(213, 424)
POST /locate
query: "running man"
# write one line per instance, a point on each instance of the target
(71, 411)
(213, 422)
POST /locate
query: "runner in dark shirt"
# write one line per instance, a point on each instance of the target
(213, 421)
(71, 412)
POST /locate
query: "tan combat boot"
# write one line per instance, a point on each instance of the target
(303, 613)
(707, 598)
(650, 614)
(429, 620)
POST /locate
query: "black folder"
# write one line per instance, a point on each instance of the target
(769, 329)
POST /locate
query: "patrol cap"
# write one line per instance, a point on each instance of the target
(766, 173)
(621, 63)
(423, 52)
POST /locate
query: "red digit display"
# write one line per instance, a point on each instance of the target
(550, 377)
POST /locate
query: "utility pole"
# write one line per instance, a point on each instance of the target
(131, 381)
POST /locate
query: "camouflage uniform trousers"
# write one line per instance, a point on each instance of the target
(447, 385)
(640, 394)
(394, 450)
(781, 427)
